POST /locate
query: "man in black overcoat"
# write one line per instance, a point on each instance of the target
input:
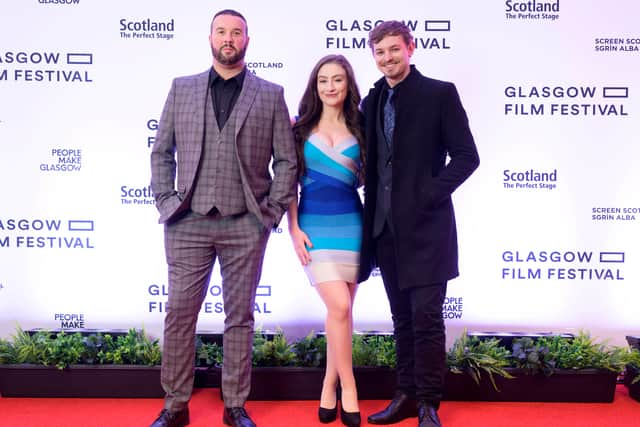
(419, 150)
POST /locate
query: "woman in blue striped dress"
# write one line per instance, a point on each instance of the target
(326, 224)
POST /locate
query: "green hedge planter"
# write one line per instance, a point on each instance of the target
(286, 383)
(286, 370)
(378, 383)
(305, 383)
(582, 385)
(127, 381)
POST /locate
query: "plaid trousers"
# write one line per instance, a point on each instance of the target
(192, 245)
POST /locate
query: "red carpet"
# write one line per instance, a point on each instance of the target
(206, 412)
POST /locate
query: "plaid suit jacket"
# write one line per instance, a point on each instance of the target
(262, 135)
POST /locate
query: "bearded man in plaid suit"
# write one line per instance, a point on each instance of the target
(218, 134)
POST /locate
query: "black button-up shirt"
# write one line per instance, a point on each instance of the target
(224, 94)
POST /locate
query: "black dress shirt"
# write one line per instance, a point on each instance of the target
(224, 94)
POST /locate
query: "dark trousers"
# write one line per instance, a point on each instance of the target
(418, 328)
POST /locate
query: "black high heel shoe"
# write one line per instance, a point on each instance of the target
(327, 415)
(350, 419)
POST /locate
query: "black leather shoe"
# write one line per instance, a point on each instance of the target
(350, 419)
(327, 415)
(237, 417)
(427, 415)
(172, 419)
(401, 407)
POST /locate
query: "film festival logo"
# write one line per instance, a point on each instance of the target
(532, 10)
(43, 233)
(528, 101)
(47, 67)
(147, 29)
(557, 265)
(353, 34)
(63, 160)
(155, 305)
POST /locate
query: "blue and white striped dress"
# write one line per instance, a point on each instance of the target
(330, 210)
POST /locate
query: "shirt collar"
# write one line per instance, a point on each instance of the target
(214, 76)
(402, 83)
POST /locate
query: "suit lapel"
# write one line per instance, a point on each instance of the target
(200, 93)
(241, 111)
(405, 105)
(245, 100)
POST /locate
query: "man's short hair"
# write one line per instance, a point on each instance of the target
(389, 28)
(232, 13)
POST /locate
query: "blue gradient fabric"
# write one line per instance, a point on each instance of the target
(330, 210)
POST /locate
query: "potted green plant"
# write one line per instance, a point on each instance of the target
(310, 351)
(284, 370)
(531, 357)
(47, 364)
(7, 352)
(294, 370)
(545, 368)
(578, 369)
(374, 363)
(208, 362)
(477, 368)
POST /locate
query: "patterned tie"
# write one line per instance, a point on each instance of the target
(389, 117)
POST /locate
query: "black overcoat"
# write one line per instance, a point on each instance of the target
(433, 153)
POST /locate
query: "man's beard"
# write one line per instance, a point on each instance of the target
(229, 60)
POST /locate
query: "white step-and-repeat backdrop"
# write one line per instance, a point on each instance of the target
(548, 225)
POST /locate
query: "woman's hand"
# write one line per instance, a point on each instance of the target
(300, 244)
